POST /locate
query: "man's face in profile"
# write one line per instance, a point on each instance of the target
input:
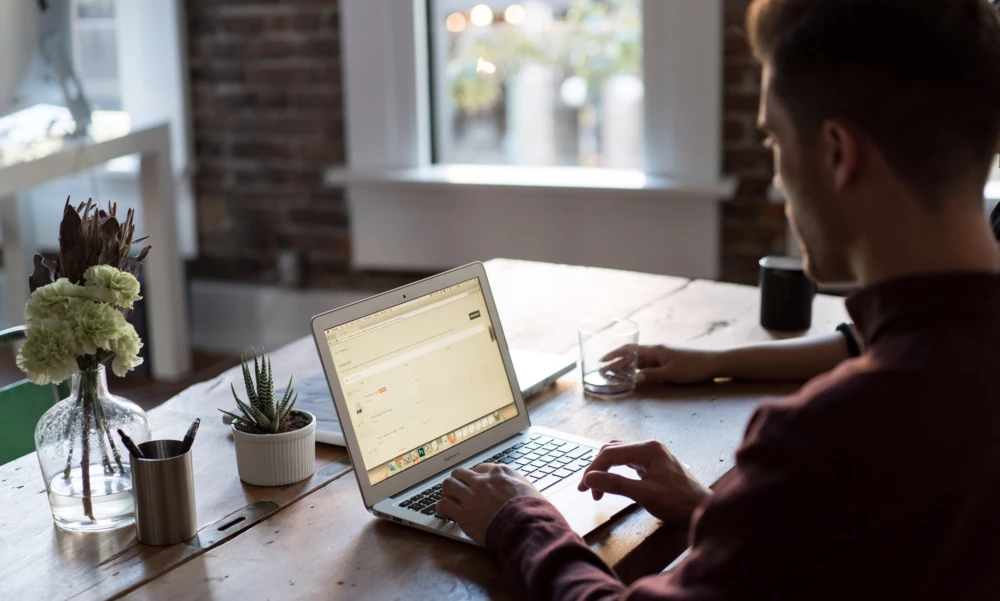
(810, 202)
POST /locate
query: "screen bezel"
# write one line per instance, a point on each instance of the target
(373, 494)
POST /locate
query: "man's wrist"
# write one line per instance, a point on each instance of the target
(699, 494)
(719, 363)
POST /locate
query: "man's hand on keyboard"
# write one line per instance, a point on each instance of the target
(472, 498)
(665, 488)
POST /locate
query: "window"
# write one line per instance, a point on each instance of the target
(553, 82)
(95, 52)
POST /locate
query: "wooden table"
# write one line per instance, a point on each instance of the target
(315, 539)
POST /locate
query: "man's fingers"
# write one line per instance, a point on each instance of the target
(465, 476)
(450, 509)
(613, 443)
(648, 357)
(453, 489)
(581, 487)
(484, 468)
(613, 484)
(610, 456)
(655, 375)
(619, 353)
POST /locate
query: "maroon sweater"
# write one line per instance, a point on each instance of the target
(879, 480)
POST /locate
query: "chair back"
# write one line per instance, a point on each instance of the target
(21, 405)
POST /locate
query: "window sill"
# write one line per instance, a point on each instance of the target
(519, 178)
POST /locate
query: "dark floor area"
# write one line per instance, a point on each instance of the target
(145, 392)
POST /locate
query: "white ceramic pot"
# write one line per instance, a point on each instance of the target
(277, 459)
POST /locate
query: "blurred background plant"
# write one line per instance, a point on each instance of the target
(547, 82)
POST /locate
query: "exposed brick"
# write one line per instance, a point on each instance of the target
(735, 129)
(212, 213)
(751, 185)
(245, 269)
(260, 149)
(735, 42)
(293, 72)
(752, 226)
(742, 162)
(740, 101)
(267, 104)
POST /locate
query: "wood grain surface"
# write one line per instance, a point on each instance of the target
(326, 545)
(40, 561)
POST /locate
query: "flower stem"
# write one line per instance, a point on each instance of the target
(67, 434)
(88, 506)
(103, 431)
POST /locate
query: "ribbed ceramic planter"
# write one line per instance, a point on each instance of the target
(277, 459)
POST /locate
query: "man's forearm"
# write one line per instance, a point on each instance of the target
(795, 359)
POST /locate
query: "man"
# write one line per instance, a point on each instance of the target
(881, 478)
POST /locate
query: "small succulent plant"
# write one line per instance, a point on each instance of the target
(262, 414)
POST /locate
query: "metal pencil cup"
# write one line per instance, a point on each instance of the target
(163, 488)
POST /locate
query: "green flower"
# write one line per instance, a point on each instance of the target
(48, 355)
(95, 326)
(126, 349)
(112, 285)
(55, 299)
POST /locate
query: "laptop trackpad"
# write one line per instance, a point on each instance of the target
(582, 512)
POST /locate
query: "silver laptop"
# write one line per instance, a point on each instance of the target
(423, 383)
(535, 373)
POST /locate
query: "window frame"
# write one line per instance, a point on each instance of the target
(387, 86)
(410, 214)
(95, 87)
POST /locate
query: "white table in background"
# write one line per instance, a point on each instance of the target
(25, 167)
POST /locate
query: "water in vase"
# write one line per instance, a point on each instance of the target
(111, 500)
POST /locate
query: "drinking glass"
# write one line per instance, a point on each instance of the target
(609, 354)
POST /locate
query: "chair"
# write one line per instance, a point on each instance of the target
(21, 404)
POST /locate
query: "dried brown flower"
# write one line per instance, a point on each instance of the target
(89, 236)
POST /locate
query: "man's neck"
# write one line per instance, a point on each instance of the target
(958, 239)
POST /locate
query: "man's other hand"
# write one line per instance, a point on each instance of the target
(474, 497)
(666, 364)
(665, 488)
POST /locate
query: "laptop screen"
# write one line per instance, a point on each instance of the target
(421, 377)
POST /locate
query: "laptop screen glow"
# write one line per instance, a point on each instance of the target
(421, 377)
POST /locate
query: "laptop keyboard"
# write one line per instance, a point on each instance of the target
(543, 460)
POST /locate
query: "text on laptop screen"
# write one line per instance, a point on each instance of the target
(421, 377)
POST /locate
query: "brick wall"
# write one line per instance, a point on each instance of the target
(267, 103)
(266, 86)
(752, 227)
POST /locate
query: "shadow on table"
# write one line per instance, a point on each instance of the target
(399, 560)
(655, 412)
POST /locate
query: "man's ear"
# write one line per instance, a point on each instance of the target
(840, 154)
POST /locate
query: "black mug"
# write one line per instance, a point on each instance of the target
(786, 295)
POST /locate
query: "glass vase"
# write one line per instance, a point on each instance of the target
(84, 463)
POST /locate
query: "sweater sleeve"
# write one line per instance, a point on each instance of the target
(756, 530)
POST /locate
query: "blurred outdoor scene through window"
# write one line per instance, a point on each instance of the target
(539, 82)
(95, 52)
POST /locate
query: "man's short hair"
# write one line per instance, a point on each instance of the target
(920, 77)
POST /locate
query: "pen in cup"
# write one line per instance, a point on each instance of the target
(189, 437)
(130, 445)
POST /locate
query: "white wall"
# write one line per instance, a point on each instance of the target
(18, 45)
(231, 318)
